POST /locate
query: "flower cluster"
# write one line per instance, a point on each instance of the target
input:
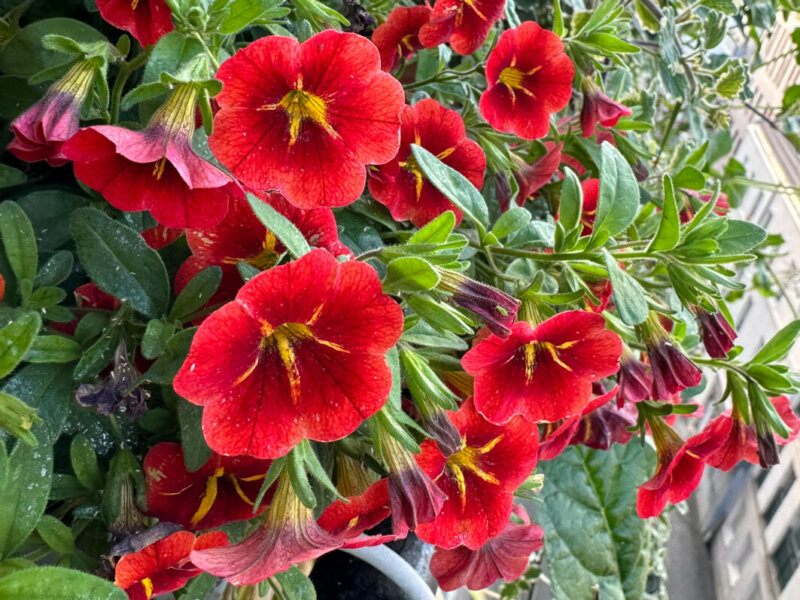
(365, 292)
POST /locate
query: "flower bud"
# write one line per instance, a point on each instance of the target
(598, 108)
(496, 309)
(718, 335)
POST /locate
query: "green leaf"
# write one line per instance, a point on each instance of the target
(48, 389)
(629, 297)
(53, 349)
(23, 499)
(558, 19)
(155, 338)
(195, 450)
(163, 371)
(740, 237)
(67, 584)
(410, 273)
(440, 316)
(9, 176)
(57, 268)
(511, 221)
(56, 535)
(779, 345)
(196, 293)
(437, 231)
(296, 585)
(19, 241)
(49, 212)
(669, 229)
(119, 261)
(690, 178)
(611, 43)
(593, 535)
(282, 227)
(84, 463)
(457, 188)
(242, 13)
(618, 199)
(571, 204)
(16, 339)
(200, 587)
(97, 356)
(17, 418)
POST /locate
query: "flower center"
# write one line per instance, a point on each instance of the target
(212, 490)
(147, 584)
(411, 165)
(468, 458)
(300, 106)
(134, 4)
(512, 78)
(531, 356)
(268, 256)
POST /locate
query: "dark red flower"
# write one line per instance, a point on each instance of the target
(398, 37)
(400, 184)
(155, 169)
(479, 480)
(289, 535)
(299, 354)
(146, 20)
(496, 309)
(159, 236)
(741, 439)
(350, 519)
(40, 132)
(2, 288)
(241, 236)
(306, 118)
(599, 108)
(635, 379)
(463, 23)
(505, 556)
(680, 468)
(532, 177)
(672, 371)
(543, 373)
(557, 436)
(718, 335)
(164, 566)
(413, 497)
(606, 425)
(221, 491)
(529, 77)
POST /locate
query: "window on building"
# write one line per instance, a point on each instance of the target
(787, 481)
(786, 556)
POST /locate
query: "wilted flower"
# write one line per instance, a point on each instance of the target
(113, 395)
(718, 335)
(599, 108)
(496, 309)
(40, 132)
(505, 556)
(413, 497)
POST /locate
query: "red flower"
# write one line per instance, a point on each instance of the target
(306, 118)
(635, 380)
(529, 77)
(543, 373)
(40, 132)
(163, 566)
(2, 287)
(221, 491)
(241, 236)
(672, 371)
(599, 108)
(505, 556)
(288, 536)
(740, 439)
(687, 212)
(680, 468)
(413, 497)
(463, 23)
(399, 35)
(718, 335)
(146, 20)
(159, 236)
(155, 169)
(348, 520)
(602, 290)
(400, 184)
(479, 480)
(299, 354)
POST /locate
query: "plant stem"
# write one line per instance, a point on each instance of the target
(125, 70)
